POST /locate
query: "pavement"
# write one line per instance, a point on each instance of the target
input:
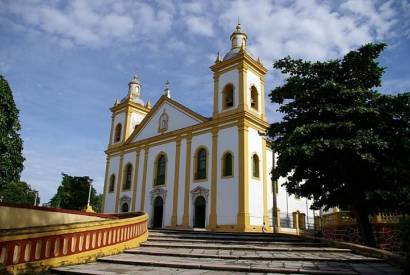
(191, 252)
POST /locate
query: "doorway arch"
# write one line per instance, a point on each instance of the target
(200, 212)
(158, 211)
(124, 207)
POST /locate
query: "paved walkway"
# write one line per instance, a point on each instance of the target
(171, 252)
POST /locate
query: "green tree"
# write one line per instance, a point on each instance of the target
(19, 192)
(11, 145)
(73, 193)
(96, 203)
(338, 134)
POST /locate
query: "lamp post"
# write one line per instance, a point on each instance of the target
(89, 208)
(89, 196)
(35, 197)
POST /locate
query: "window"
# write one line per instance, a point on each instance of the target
(255, 166)
(227, 97)
(201, 164)
(227, 165)
(254, 98)
(111, 185)
(117, 136)
(160, 170)
(127, 177)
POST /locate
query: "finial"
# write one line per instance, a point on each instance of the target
(259, 60)
(218, 58)
(167, 92)
(148, 105)
(116, 102)
(135, 79)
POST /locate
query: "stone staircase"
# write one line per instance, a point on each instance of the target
(199, 252)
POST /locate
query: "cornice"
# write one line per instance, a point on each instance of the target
(244, 117)
(129, 104)
(241, 56)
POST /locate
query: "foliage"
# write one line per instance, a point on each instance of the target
(96, 202)
(19, 192)
(338, 137)
(11, 145)
(73, 193)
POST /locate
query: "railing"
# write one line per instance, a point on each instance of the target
(45, 246)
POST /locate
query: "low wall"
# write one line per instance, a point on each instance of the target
(340, 226)
(19, 216)
(36, 249)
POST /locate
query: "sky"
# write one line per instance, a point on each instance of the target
(68, 61)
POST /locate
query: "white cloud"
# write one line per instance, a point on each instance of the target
(309, 29)
(199, 25)
(93, 23)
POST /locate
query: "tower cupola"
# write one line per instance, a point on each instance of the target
(238, 38)
(238, 42)
(134, 90)
(134, 87)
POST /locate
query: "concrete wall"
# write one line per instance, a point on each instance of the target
(227, 190)
(12, 217)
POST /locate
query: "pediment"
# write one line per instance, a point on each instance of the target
(166, 115)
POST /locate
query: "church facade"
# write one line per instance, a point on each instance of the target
(186, 170)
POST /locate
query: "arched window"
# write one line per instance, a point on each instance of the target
(254, 98)
(227, 165)
(201, 164)
(127, 177)
(161, 167)
(117, 135)
(124, 207)
(227, 96)
(255, 166)
(111, 185)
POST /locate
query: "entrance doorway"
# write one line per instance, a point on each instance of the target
(124, 207)
(200, 204)
(158, 211)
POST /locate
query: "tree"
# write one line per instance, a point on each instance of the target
(19, 192)
(338, 134)
(11, 145)
(97, 203)
(73, 193)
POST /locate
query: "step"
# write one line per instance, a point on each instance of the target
(243, 247)
(311, 256)
(100, 268)
(210, 233)
(228, 265)
(242, 242)
(227, 237)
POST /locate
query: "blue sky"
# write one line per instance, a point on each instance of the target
(67, 61)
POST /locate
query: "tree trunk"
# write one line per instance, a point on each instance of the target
(364, 225)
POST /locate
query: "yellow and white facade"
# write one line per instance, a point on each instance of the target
(191, 170)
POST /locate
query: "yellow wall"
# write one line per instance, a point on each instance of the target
(12, 217)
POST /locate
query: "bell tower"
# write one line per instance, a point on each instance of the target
(127, 113)
(239, 80)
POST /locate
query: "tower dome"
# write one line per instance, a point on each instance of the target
(238, 42)
(134, 90)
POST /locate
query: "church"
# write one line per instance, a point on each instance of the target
(190, 171)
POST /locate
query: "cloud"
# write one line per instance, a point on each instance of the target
(199, 25)
(94, 24)
(310, 29)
